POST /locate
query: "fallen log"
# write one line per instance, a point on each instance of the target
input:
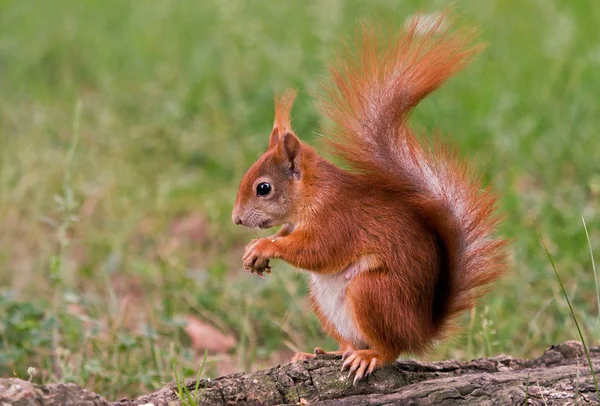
(561, 376)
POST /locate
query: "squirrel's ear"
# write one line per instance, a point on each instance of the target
(290, 151)
(274, 138)
(288, 145)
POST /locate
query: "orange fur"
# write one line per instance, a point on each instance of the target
(283, 110)
(411, 221)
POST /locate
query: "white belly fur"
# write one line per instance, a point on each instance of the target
(329, 291)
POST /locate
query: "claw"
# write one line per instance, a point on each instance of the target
(248, 252)
(360, 363)
(346, 355)
(347, 362)
(355, 365)
(360, 373)
(252, 261)
(372, 366)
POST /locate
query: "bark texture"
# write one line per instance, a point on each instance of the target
(561, 376)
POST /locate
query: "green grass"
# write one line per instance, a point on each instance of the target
(581, 337)
(123, 125)
(186, 397)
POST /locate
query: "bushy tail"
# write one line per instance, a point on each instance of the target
(369, 98)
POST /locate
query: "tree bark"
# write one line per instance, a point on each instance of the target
(561, 376)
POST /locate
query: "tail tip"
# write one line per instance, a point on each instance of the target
(424, 24)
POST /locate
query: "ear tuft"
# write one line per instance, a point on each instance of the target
(282, 136)
(283, 109)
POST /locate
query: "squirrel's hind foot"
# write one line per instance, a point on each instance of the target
(302, 356)
(361, 363)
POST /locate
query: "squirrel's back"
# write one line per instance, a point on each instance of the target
(370, 96)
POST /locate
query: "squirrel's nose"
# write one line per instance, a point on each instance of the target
(236, 219)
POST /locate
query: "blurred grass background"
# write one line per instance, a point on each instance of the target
(126, 126)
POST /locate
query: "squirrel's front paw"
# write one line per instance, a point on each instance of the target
(255, 258)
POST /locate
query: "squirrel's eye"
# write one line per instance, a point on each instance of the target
(263, 189)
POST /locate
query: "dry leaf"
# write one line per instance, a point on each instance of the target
(190, 227)
(206, 337)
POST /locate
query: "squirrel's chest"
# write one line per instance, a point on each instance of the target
(329, 293)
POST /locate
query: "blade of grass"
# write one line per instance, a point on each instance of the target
(587, 235)
(180, 394)
(542, 394)
(183, 393)
(562, 287)
(199, 376)
(186, 397)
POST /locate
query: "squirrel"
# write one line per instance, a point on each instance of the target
(402, 240)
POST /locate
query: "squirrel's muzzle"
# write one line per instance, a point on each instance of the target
(236, 219)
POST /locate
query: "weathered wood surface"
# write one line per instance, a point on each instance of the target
(561, 376)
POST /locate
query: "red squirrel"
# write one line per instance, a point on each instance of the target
(402, 241)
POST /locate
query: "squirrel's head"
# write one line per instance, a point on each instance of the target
(271, 188)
